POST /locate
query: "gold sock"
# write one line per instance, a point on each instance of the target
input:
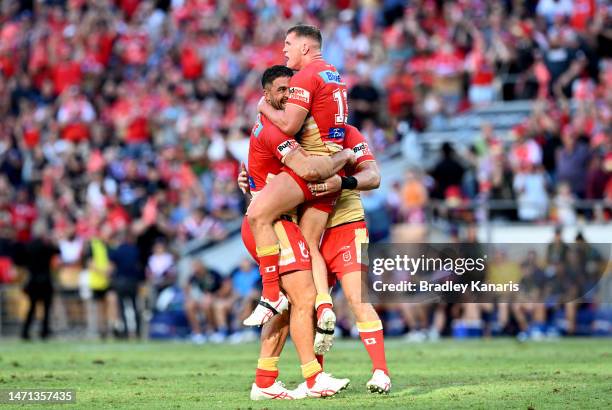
(369, 326)
(268, 363)
(310, 369)
(323, 298)
(267, 250)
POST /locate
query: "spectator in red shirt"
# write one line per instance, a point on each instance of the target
(23, 215)
(75, 115)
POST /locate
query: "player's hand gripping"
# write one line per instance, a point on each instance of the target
(352, 158)
(243, 180)
(329, 186)
(333, 183)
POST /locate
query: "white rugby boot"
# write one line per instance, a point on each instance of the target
(265, 309)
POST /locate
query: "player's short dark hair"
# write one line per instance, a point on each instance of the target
(304, 30)
(274, 72)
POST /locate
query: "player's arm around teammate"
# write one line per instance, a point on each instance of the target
(366, 179)
(282, 193)
(316, 110)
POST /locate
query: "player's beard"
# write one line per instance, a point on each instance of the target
(278, 104)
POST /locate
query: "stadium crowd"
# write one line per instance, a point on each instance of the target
(120, 120)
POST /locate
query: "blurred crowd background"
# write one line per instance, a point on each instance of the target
(123, 124)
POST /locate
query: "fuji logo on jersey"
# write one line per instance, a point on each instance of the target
(336, 133)
(361, 149)
(300, 94)
(286, 147)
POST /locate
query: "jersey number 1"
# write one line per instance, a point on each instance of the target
(340, 97)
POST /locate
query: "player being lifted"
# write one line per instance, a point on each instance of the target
(316, 114)
(346, 232)
(269, 151)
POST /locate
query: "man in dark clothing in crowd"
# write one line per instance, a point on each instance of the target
(208, 293)
(128, 274)
(572, 163)
(364, 101)
(447, 173)
(36, 256)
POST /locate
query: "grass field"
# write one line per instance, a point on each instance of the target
(573, 373)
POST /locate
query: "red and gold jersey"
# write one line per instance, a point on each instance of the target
(348, 207)
(268, 147)
(318, 89)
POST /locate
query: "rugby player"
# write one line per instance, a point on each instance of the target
(341, 247)
(265, 161)
(316, 114)
(346, 232)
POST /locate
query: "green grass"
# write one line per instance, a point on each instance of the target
(573, 373)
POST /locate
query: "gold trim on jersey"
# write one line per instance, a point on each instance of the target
(361, 237)
(286, 251)
(348, 209)
(310, 139)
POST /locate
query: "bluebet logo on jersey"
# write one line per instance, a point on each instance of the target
(332, 77)
(251, 182)
(337, 133)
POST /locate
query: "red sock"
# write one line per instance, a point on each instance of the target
(310, 381)
(323, 306)
(310, 371)
(268, 268)
(265, 378)
(374, 342)
(320, 359)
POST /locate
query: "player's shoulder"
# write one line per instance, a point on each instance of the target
(265, 132)
(257, 127)
(320, 70)
(352, 133)
(269, 127)
(328, 73)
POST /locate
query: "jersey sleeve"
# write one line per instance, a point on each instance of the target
(358, 143)
(301, 90)
(278, 143)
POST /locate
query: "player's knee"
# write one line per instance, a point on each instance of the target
(305, 301)
(259, 219)
(254, 216)
(354, 300)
